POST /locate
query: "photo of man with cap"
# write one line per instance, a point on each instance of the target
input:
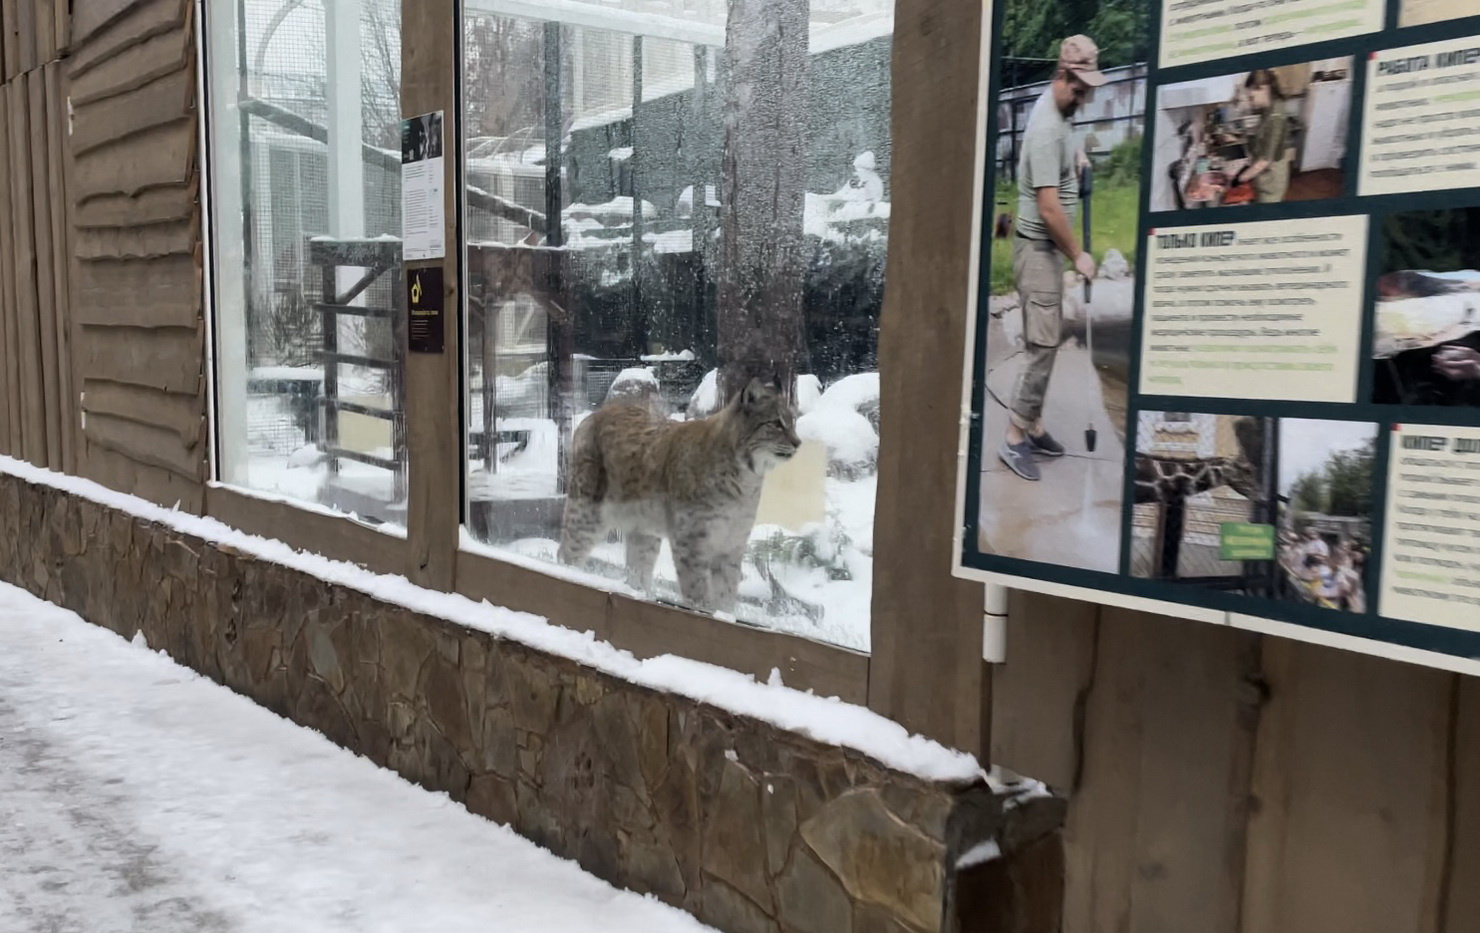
(1048, 195)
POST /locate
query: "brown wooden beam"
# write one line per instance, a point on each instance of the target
(927, 671)
(429, 30)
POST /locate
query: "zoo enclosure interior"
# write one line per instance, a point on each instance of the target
(590, 274)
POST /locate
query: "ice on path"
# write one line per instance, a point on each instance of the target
(136, 795)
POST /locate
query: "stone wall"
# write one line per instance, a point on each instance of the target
(749, 827)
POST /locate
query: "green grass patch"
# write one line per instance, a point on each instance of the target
(1113, 215)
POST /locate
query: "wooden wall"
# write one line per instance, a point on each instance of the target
(1226, 782)
(140, 336)
(103, 347)
(38, 411)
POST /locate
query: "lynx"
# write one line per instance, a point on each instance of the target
(697, 483)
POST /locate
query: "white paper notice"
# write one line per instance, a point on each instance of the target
(423, 213)
(1420, 130)
(1264, 310)
(1431, 549)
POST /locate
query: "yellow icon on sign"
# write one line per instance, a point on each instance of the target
(416, 290)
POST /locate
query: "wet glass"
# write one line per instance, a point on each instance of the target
(305, 202)
(668, 199)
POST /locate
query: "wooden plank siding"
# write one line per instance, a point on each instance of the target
(10, 386)
(10, 49)
(38, 414)
(46, 297)
(27, 351)
(1227, 782)
(138, 337)
(61, 239)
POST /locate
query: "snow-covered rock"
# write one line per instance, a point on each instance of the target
(860, 392)
(633, 384)
(845, 418)
(852, 443)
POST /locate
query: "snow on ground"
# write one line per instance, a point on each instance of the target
(825, 719)
(136, 795)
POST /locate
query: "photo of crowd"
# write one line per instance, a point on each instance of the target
(1325, 532)
(1330, 577)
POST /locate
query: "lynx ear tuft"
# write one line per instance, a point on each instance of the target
(755, 390)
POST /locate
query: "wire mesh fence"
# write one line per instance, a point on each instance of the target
(287, 178)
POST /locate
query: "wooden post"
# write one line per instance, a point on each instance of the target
(429, 72)
(61, 252)
(698, 330)
(42, 220)
(763, 193)
(23, 230)
(927, 671)
(639, 308)
(10, 404)
(560, 339)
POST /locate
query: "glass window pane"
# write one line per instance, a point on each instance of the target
(667, 199)
(305, 135)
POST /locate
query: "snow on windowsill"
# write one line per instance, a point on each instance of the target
(469, 544)
(828, 720)
(389, 529)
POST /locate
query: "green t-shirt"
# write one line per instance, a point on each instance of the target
(1046, 161)
(1272, 139)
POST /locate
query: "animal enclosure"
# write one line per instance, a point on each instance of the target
(616, 237)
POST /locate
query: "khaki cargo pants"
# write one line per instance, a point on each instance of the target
(1038, 268)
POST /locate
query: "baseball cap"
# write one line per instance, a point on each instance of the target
(1080, 55)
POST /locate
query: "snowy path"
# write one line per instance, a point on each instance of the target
(137, 796)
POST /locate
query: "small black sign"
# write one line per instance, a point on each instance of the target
(424, 299)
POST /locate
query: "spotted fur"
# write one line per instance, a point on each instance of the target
(696, 483)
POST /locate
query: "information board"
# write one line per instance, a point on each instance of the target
(1223, 357)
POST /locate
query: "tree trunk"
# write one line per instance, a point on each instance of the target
(762, 194)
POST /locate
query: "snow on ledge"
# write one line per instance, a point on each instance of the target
(828, 720)
(988, 851)
(389, 529)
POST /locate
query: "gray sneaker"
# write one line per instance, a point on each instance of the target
(1046, 445)
(1019, 459)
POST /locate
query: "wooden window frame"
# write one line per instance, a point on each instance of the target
(925, 669)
